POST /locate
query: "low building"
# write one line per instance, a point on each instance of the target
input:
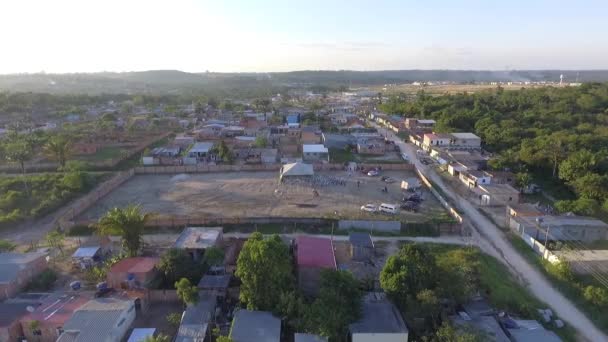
(473, 178)
(215, 285)
(99, 320)
(51, 316)
(183, 141)
(380, 321)
(503, 177)
(419, 124)
(130, 273)
(195, 320)
(195, 240)
(86, 257)
(497, 194)
(361, 246)
(313, 254)
(560, 228)
(311, 137)
(299, 337)
(296, 170)
(436, 140)
(316, 152)
(269, 155)
(372, 145)
(17, 269)
(141, 334)
(465, 140)
(255, 326)
(338, 141)
(201, 150)
(531, 331)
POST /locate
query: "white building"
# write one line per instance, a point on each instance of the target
(315, 152)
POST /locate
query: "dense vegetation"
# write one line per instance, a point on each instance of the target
(32, 196)
(559, 134)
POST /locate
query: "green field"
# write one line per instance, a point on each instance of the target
(103, 153)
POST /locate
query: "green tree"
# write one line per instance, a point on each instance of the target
(174, 319)
(408, 272)
(157, 338)
(337, 305)
(447, 333)
(223, 339)
(176, 264)
(19, 149)
(187, 292)
(129, 223)
(292, 309)
(58, 148)
(597, 296)
(214, 256)
(458, 274)
(524, 179)
(577, 165)
(261, 141)
(55, 240)
(265, 271)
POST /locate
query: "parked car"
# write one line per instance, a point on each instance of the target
(388, 208)
(404, 156)
(373, 173)
(410, 205)
(370, 208)
(389, 180)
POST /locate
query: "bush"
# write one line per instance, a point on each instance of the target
(597, 296)
(42, 282)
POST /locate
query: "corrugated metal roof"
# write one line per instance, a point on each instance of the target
(198, 237)
(360, 240)
(255, 326)
(135, 265)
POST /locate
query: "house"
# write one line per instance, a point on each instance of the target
(473, 178)
(195, 240)
(435, 139)
(371, 145)
(523, 209)
(560, 228)
(465, 140)
(232, 131)
(215, 285)
(86, 257)
(411, 183)
(456, 168)
(10, 327)
(317, 152)
(255, 326)
(479, 316)
(248, 155)
(269, 155)
(195, 320)
(17, 269)
(419, 124)
(497, 194)
(299, 337)
(531, 331)
(51, 316)
(313, 254)
(136, 272)
(337, 141)
(361, 246)
(141, 334)
(310, 137)
(503, 177)
(200, 150)
(296, 170)
(293, 120)
(380, 321)
(99, 320)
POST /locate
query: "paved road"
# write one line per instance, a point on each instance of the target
(492, 241)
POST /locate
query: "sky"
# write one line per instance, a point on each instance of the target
(62, 36)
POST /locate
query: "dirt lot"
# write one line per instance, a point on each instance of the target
(240, 194)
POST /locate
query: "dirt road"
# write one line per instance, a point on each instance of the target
(492, 241)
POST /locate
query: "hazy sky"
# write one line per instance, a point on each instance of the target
(283, 35)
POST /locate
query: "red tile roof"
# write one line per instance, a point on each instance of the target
(315, 252)
(134, 265)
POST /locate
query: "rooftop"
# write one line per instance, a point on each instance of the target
(86, 252)
(298, 337)
(93, 320)
(198, 237)
(214, 281)
(466, 135)
(135, 265)
(140, 334)
(195, 320)
(57, 308)
(360, 240)
(201, 147)
(315, 252)
(297, 169)
(378, 316)
(314, 148)
(255, 326)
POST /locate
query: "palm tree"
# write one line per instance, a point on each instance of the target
(59, 148)
(129, 223)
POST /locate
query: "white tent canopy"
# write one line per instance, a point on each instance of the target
(296, 169)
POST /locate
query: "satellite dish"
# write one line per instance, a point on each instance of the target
(30, 308)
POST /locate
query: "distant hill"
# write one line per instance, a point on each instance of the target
(176, 82)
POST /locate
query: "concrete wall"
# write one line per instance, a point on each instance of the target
(381, 226)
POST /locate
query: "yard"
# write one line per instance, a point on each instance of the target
(103, 153)
(259, 194)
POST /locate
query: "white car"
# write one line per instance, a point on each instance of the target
(404, 156)
(370, 208)
(373, 173)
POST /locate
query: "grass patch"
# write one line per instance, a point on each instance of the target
(340, 155)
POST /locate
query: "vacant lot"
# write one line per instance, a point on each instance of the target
(241, 194)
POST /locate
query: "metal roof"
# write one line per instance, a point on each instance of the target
(255, 326)
(314, 148)
(214, 281)
(297, 169)
(201, 147)
(360, 240)
(315, 252)
(140, 334)
(378, 316)
(466, 135)
(198, 237)
(96, 318)
(86, 252)
(195, 319)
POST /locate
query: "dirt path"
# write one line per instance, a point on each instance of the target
(492, 240)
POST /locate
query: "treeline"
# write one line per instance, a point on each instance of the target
(557, 133)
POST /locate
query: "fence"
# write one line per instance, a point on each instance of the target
(65, 220)
(373, 225)
(540, 249)
(442, 200)
(260, 167)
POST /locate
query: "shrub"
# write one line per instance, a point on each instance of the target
(42, 282)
